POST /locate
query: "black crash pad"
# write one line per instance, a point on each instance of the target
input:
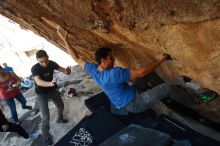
(92, 130)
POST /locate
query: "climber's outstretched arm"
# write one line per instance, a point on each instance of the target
(64, 36)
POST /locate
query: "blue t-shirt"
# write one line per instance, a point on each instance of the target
(113, 82)
(8, 69)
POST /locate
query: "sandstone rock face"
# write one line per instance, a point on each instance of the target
(136, 30)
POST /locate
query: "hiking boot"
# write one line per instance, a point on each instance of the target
(27, 107)
(48, 141)
(62, 120)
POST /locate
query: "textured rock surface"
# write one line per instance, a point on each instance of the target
(136, 30)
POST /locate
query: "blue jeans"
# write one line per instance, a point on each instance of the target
(12, 105)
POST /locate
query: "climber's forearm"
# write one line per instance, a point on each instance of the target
(64, 36)
(71, 51)
(74, 54)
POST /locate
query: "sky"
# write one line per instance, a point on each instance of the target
(14, 41)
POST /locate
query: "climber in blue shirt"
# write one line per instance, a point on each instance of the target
(113, 80)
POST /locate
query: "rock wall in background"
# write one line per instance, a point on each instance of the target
(136, 30)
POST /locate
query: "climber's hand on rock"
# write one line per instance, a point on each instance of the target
(162, 57)
(168, 57)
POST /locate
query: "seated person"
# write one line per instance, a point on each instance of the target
(6, 126)
(26, 84)
(7, 68)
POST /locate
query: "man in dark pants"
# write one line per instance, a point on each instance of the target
(45, 90)
(6, 126)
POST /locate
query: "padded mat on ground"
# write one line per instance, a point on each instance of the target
(135, 135)
(191, 112)
(92, 130)
(97, 102)
(179, 131)
(101, 101)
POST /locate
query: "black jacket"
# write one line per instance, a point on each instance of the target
(3, 120)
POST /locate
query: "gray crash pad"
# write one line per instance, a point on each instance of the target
(135, 135)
